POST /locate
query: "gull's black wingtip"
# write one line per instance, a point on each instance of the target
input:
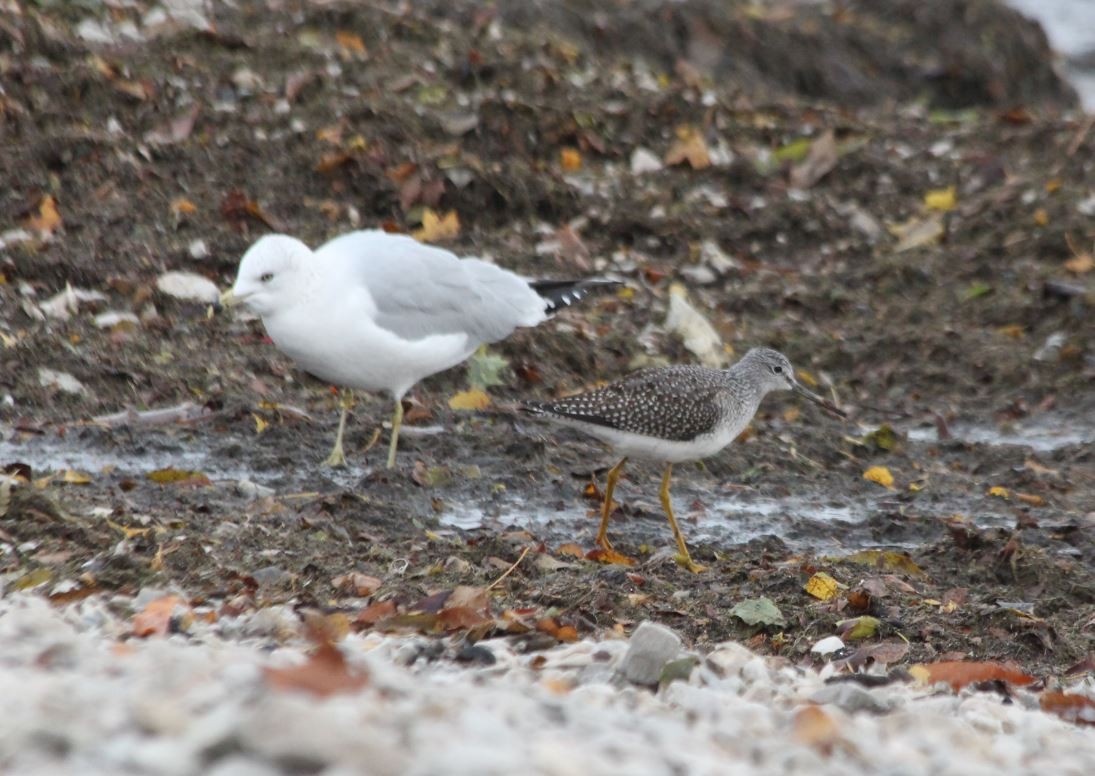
(563, 293)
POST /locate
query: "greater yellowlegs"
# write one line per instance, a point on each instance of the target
(673, 414)
(379, 312)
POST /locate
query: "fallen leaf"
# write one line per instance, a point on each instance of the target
(694, 330)
(941, 199)
(571, 549)
(689, 147)
(886, 560)
(815, 727)
(880, 475)
(170, 476)
(1071, 707)
(570, 159)
(1031, 499)
(758, 611)
(999, 492)
(374, 613)
(73, 477)
(46, 218)
(609, 557)
(175, 131)
(462, 618)
(959, 673)
(822, 586)
(351, 44)
(356, 583)
(1041, 217)
(437, 228)
(820, 160)
(917, 233)
(1080, 264)
(485, 369)
(325, 673)
(858, 628)
(155, 618)
(474, 399)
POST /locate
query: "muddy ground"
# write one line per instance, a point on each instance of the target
(952, 315)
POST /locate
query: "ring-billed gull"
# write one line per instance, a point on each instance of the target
(674, 414)
(379, 312)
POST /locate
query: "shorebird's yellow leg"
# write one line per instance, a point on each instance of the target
(337, 457)
(606, 510)
(683, 557)
(397, 423)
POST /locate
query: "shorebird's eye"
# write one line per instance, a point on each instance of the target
(267, 277)
(777, 369)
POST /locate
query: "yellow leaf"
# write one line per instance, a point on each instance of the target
(1052, 185)
(941, 199)
(47, 218)
(806, 378)
(1041, 217)
(689, 147)
(886, 560)
(1013, 330)
(999, 491)
(171, 476)
(474, 399)
(73, 477)
(1032, 499)
(879, 474)
(860, 628)
(570, 159)
(181, 206)
(436, 228)
(917, 233)
(822, 586)
(260, 423)
(351, 43)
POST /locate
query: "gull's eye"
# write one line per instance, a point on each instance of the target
(266, 277)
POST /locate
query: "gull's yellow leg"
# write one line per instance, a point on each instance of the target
(606, 510)
(337, 457)
(397, 423)
(683, 557)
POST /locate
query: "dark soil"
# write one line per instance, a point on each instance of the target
(316, 118)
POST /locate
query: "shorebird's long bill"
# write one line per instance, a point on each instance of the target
(802, 391)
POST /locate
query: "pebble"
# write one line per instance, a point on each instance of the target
(650, 648)
(201, 704)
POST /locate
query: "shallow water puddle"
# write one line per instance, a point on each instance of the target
(1043, 434)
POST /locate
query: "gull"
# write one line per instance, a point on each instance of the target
(375, 311)
(673, 414)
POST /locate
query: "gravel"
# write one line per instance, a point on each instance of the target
(82, 695)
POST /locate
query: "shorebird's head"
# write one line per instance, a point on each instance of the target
(775, 373)
(271, 271)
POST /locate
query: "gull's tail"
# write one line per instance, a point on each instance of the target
(563, 293)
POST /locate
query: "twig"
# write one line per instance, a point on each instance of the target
(509, 571)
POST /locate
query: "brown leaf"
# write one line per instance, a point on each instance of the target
(176, 130)
(476, 598)
(374, 613)
(325, 673)
(571, 548)
(155, 618)
(356, 583)
(821, 159)
(236, 207)
(1071, 707)
(609, 557)
(814, 727)
(462, 618)
(179, 477)
(689, 147)
(959, 673)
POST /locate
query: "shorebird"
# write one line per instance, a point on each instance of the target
(673, 414)
(378, 312)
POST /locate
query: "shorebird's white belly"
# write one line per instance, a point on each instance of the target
(633, 445)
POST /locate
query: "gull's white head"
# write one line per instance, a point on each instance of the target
(271, 271)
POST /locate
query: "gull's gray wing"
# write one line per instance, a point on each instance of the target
(420, 290)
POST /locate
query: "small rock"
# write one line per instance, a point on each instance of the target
(473, 654)
(189, 286)
(253, 490)
(198, 249)
(62, 381)
(828, 646)
(111, 318)
(852, 697)
(643, 160)
(651, 646)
